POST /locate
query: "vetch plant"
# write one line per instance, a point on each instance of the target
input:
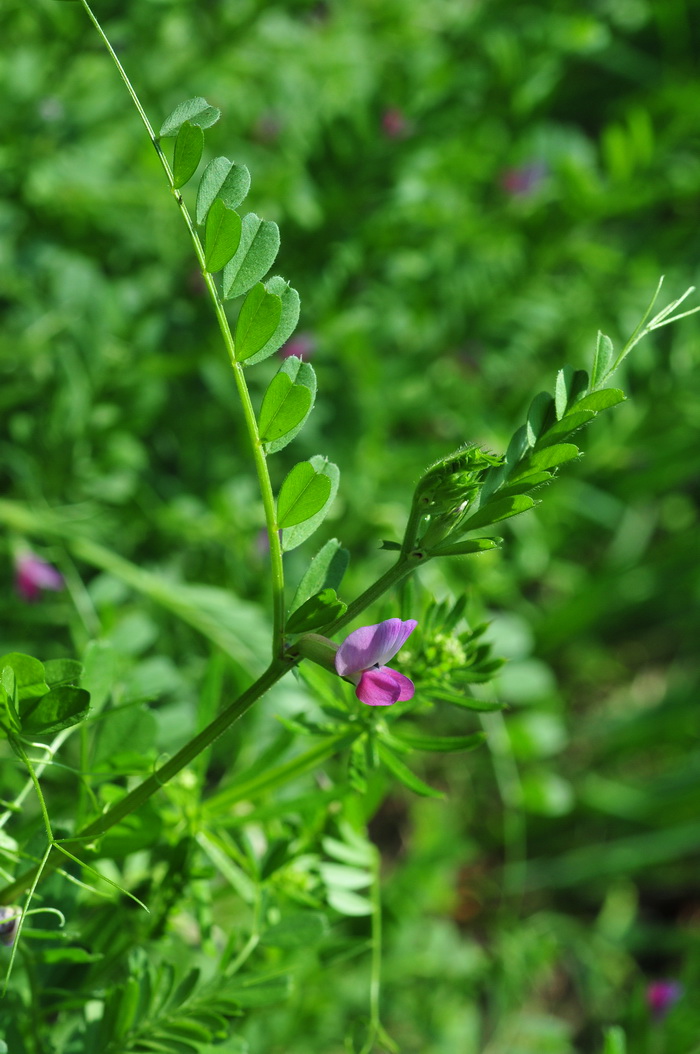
(295, 881)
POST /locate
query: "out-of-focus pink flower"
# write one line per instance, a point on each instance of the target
(525, 179)
(32, 575)
(302, 346)
(362, 657)
(268, 127)
(661, 996)
(394, 123)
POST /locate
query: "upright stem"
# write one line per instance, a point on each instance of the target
(241, 385)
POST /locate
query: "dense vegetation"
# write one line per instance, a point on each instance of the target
(466, 193)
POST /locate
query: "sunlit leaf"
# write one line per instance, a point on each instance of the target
(294, 536)
(189, 146)
(325, 571)
(259, 245)
(222, 235)
(197, 111)
(304, 492)
(258, 319)
(221, 179)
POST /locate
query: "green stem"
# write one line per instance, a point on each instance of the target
(251, 423)
(135, 798)
(403, 567)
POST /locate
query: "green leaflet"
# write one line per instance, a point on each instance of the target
(548, 458)
(602, 359)
(440, 744)
(259, 245)
(501, 509)
(469, 545)
(302, 495)
(189, 146)
(221, 179)
(287, 404)
(288, 318)
(60, 708)
(325, 571)
(257, 321)
(294, 536)
(317, 611)
(570, 386)
(405, 775)
(197, 111)
(222, 235)
(601, 400)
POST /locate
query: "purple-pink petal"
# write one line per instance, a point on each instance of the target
(383, 687)
(34, 574)
(372, 645)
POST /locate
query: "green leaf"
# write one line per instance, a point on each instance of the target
(221, 179)
(325, 571)
(62, 671)
(540, 416)
(469, 545)
(259, 245)
(570, 384)
(288, 318)
(260, 993)
(601, 400)
(347, 903)
(317, 611)
(522, 484)
(29, 675)
(462, 700)
(501, 509)
(300, 930)
(394, 547)
(257, 321)
(285, 407)
(197, 111)
(549, 457)
(440, 744)
(404, 774)
(569, 423)
(340, 876)
(302, 495)
(60, 708)
(294, 536)
(222, 235)
(189, 147)
(615, 1041)
(602, 359)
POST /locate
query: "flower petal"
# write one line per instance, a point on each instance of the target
(372, 645)
(383, 687)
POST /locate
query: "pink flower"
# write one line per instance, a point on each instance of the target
(524, 180)
(32, 574)
(394, 123)
(661, 996)
(302, 346)
(361, 658)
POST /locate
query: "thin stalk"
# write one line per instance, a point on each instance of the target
(135, 798)
(403, 567)
(250, 420)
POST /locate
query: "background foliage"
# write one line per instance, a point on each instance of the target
(466, 192)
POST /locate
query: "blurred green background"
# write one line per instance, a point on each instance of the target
(466, 192)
